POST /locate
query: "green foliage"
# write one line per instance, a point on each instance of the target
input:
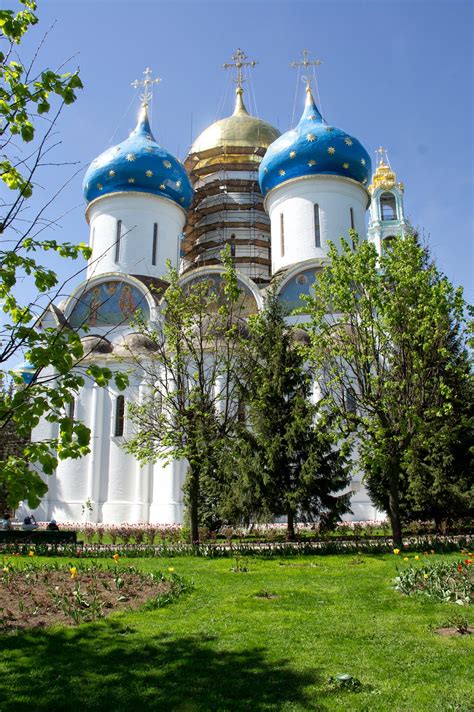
(26, 93)
(285, 463)
(380, 336)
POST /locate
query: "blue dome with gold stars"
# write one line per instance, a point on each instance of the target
(313, 148)
(138, 164)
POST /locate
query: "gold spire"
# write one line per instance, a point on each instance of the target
(239, 108)
(147, 83)
(307, 63)
(384, 177)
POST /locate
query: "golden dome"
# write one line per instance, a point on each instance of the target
(384, 178)
(239, 131)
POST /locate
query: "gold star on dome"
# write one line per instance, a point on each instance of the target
(282, 172)
(130, 157)
(149, 174)
(311, 137)
(131, 180)
(162, 186)
(345, 165)
(178, 184)
(331, 150)
(311, 163)
(167, 164)
(348, 141)
(100, 186)
(111, 174)
(292, 154)
(362, 160)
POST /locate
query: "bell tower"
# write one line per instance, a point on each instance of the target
(387, 212)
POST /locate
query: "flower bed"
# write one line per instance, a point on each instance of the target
(226, 549)
(41, 595)
(448, 581)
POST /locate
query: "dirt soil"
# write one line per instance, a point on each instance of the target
(43, 597)
(449, 631)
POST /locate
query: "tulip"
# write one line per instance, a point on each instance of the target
(396, 551)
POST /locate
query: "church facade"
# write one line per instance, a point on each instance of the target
(276, 200)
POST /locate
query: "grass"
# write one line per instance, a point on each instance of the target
(224, 646)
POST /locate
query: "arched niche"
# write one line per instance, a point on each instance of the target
(388, 206)
(296, 286)
(107, 303)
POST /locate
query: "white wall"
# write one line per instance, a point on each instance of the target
(138, 213)
(296, 199)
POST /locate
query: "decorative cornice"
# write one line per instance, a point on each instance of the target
(319, 176)
(128, 193)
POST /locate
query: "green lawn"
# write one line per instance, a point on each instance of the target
(222, 648)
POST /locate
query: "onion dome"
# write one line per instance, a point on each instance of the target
(384, 178)
(138, 164)
(313, 148)
(227, 135)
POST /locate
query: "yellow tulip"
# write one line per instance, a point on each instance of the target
(425, 576)
(171, 569)
(405, 558)
(31, 553)
(116, 558)
(396, 551)
(73, 572)
(416, 557)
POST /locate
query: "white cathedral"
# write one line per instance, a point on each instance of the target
(276, 200)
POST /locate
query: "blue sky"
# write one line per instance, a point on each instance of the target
(394, 73)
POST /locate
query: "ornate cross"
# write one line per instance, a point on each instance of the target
(147, 83)
(239, 61)
(307, 63)
(382, 152)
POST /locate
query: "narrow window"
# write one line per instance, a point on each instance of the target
(118, 237)
(351, 403)
(155, 243)
(352, 219)
(282, 234)
(71, 409)
(232, 245)
(317, 227)
(119, 415)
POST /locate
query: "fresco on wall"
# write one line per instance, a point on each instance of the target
(301, 283)
(109, 304)
(248, 304)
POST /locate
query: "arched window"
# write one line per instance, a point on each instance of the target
(388, 206)
(232, 245)
(119, 415)
(387, 242)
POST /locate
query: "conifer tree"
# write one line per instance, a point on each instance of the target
(287, 464)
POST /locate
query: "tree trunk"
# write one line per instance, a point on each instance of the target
(394, 508)
(290, 527)
(194, 505)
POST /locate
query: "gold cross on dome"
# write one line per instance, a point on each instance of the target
(382, 153)
(239, 61)
(147, 83)
(307, 63)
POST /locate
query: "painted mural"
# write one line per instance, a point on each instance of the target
(109, 304)
(301, 283)
(247, 305)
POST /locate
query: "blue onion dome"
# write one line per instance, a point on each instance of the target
(26, 371)
(138, 164)
(313, 148)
